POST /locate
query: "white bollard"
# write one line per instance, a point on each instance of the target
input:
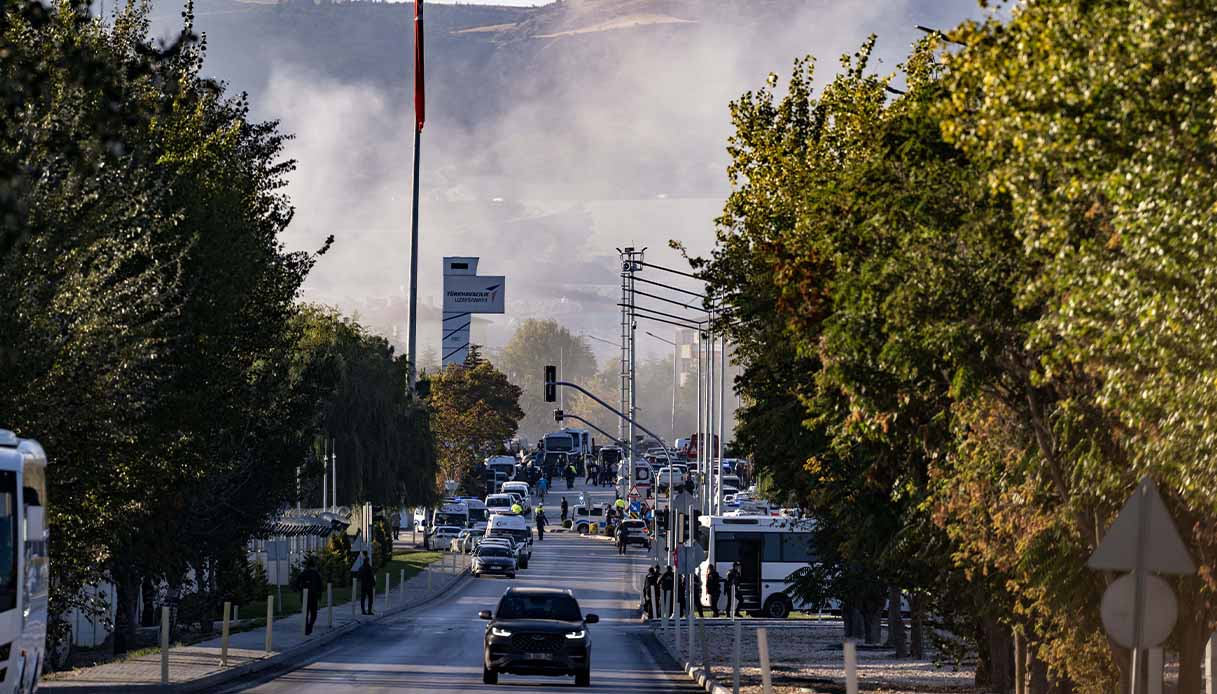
(388, 588)
(732, 603)
(692, 632)
(1210, 665)
(304, 612)
(851, 668)
(401, 586)
(675, 620)
(329, 604)
(735, 658)
(354, 596)
(224, 635)
(164, 644)
(762, 649)
(1153, 669)
(270, 621)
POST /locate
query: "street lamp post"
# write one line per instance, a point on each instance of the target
(675, 354)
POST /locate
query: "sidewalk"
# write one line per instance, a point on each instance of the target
(197, 667)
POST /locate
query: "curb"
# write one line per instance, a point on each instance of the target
(699, 676)
(217, 679)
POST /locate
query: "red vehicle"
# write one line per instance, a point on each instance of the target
(692, 450)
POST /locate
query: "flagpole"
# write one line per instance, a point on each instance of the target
(411, 345)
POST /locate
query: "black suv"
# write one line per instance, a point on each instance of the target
(538, 631)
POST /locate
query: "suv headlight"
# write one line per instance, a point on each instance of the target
(576, 634)
(495, 631)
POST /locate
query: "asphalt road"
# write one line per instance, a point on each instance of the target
(437, 649)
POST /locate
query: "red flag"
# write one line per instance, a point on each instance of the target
(420, 101)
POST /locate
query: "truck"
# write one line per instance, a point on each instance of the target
(24, 563)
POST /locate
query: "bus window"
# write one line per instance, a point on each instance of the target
(726, 547)
(796, 547)
(8, 540)
(773, 547)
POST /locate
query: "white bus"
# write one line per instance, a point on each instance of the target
(768, 548)
(24, 569)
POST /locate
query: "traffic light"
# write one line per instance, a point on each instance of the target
(551, 388)
(558, 416)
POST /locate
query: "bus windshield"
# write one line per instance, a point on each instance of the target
(8, 540)
(559, 443)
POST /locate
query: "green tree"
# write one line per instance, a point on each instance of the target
(535, 344)
(477, 410)
(383, 441)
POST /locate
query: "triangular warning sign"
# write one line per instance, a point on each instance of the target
(1163, 551)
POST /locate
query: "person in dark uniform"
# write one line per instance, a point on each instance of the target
(666, 584)
(650, 587)
(733, 577)
(713, 588)
(541, 520)
(683, 594)
(311, 580)
(367, 585)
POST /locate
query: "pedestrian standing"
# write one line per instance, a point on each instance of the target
(666, 584)
(623, 537)
(592, 469)
(311, 580)
(649, 588)
(713, 588)
(682, 594)
(733, 577)
(543, 486)
(564, 508)
(367, 584)
(541, 521)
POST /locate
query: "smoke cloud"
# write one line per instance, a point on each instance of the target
(554, 135)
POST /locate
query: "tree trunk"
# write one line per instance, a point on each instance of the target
(847, 619)
(895, 623)
(874, 622)
(126, 614)
(916, 633)
(148, 616)
(1039, 672)
(1192, 635)
(1000, 646)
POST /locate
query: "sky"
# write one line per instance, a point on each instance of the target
(610, 150)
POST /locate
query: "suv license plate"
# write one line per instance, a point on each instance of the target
(538, 656)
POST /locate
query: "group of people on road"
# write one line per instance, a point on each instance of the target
(667, 582)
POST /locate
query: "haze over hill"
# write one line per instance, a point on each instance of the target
(554, 133)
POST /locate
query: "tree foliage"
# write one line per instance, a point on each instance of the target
(535, 344)
(982, 300)
(152, 340)
(477, 410)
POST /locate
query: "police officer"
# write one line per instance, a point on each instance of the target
(650, 587)
(541, 521)
(713, 587)
(733, 577)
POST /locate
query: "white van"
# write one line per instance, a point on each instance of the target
(497, 504)
(520, 488)
(515, 527)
